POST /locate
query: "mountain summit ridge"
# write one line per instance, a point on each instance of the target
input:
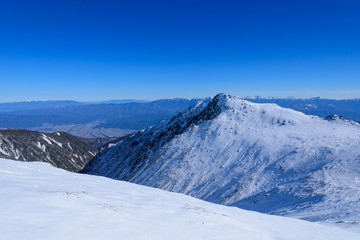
(255, 156)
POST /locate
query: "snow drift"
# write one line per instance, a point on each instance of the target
(42, 202)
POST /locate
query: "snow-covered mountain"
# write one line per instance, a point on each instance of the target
(60, 149)
(255, 156)
(42, 202)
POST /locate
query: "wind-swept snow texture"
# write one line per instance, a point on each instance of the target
(42, 202)
(255, 156)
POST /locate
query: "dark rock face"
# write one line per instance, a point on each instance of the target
(333, 117)
(59, 149)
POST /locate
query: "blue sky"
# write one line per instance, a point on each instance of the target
(98, 50)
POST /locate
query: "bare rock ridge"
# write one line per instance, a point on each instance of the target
(60, 149)
(255, 156)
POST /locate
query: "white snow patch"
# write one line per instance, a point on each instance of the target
(111, 145)
(46, 139)
(41, 146)
(4, 152)
(49, 140)
(59, 144)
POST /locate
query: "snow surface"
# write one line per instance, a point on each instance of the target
(256, 156)
(42, 202)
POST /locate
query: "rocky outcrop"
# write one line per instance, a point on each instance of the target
(60, 149)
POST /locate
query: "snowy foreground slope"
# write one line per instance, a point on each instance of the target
(255, 156)
(42, 202)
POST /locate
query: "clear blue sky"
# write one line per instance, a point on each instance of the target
(97, 50)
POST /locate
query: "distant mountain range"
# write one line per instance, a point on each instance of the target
(121, 101)
(59, 149)
(31, 105)
(255, 156)
(117, 118)
(347, 108)
(106, 120)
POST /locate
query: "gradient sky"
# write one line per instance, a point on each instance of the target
(99, 50)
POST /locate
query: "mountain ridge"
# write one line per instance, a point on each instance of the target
(255, 156)
(112, 120)
(59, 148)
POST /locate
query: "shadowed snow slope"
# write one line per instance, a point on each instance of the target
(42, 202)
(255, 156)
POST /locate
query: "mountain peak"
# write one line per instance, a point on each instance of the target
(221, 96)
(255, 156)
(220, 101)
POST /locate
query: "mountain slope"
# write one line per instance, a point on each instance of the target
(255, 156)
(41, 202)
(60, 149)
